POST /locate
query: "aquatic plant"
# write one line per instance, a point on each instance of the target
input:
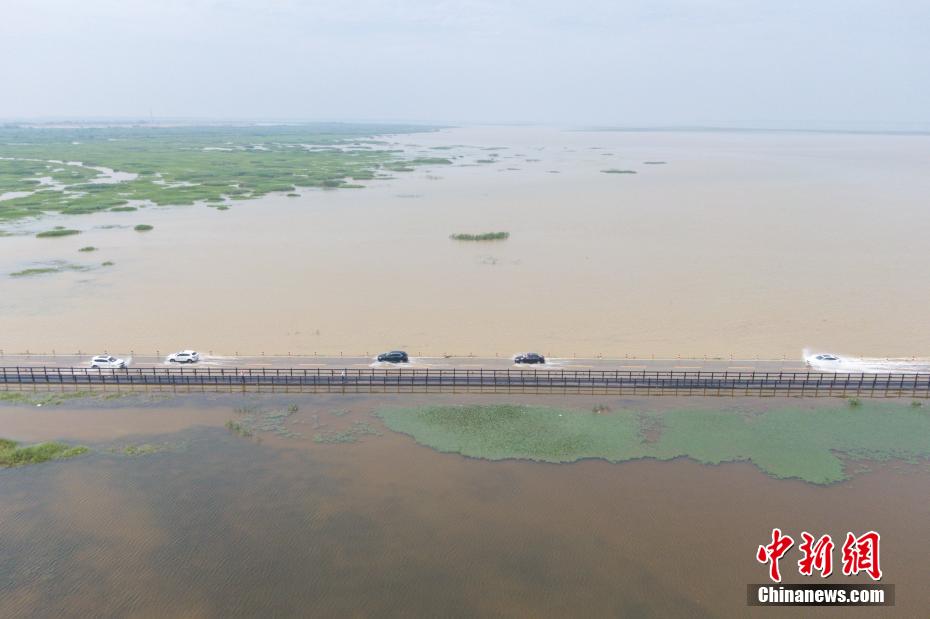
(351, 434)
(254, 419)
(238, 428)
(618, 171)
(34, 271)
(143, 449)
(55, 267)
(123, 209)
(808, 444)
(56, 232)
(12, 454)
(185, 165)
(60, 397)
(486, 236)
(143, 228)
(88, 248)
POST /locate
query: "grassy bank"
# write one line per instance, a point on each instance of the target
(12, 454)
(808, 444)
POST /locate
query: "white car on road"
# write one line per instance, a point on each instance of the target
(107, 361)
(185, 356)
(825, 360)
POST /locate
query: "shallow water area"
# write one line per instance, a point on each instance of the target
(174, 514)
(668, 261)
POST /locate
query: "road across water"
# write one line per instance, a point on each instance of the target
(313, 362)
(426, 380)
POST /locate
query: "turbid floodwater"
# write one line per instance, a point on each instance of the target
(742, 243)
(173, 514)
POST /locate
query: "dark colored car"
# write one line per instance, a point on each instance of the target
(529, 357)
(395, 356)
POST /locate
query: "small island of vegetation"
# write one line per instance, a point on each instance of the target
(56, 232)
(486, 236)
(618, 171)
(143, 228)
(12, 454)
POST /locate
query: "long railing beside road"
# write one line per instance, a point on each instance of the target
(529, 381)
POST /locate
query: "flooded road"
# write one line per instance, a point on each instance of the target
(744, 244)
(218, 525)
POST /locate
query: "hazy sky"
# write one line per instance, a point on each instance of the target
(631, 62)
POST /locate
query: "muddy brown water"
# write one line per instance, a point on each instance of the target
(750, 244)
(222, 526)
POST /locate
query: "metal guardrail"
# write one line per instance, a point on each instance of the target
(542, 381)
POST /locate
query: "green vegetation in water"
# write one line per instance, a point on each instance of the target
(430, 161)
(143, 228)
(185, 165)
(485, 161)
(34, 271)
(146, 449)
(351, 434)
(60, 397)
(57, 266)
(238, 428)
(486, 236)
(253, 420)
(293, 195)
(49, 234)
(618, 171)
(123, 209)
(107, 263)
(88, 248)
(655, 162)
(12, 454)
(806, 444)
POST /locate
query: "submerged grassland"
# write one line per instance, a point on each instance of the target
(808, 444)
(13, 454)
(85, 170)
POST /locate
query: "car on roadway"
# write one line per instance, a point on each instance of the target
(107, 361)
(185, 356)
(825, 359)
(394, 356)
(529, 357)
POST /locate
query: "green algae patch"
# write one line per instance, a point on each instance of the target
(13, 454)
(808, 444)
